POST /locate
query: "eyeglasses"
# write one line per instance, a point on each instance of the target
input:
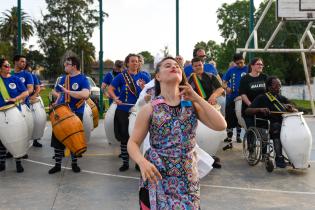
(68, 64)
(259, 64)
(6, 65)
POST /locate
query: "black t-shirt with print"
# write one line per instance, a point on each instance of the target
(209, 83)
(252, 87)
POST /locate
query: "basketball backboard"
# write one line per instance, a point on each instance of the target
(296, 9)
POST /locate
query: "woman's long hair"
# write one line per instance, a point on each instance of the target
(157, 70)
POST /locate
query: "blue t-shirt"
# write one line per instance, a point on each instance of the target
(77, 83)
(233, 77)
(14, 86)
(108, 78)
(125, 95)
(27, 79)
(207, 67)
(36, 82)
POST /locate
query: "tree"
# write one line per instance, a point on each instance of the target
(9, 27)
(68, 25)
(148, 58)
(211, 48)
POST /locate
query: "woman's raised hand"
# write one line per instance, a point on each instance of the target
(188, 93)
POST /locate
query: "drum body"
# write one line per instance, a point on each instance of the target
(13, 131)
(68, 129)
(39, 118)
(132, 119)
(221, 101)
(204, 162)
(296, 139)
(87, 122)
(238, 111)
(94, 111)
(28, 115)
(208, 139)
(109, 124)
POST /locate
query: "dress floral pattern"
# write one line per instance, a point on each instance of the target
(172, 140)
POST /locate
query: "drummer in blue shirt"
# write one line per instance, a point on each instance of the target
(78, 91)
(130, 82)
(25, 76)
(15, 91)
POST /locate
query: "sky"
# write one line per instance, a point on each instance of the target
(145, 25)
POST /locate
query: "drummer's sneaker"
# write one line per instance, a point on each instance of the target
(2, 166)
(228, 139)
(8, 155)
(37, 144)
(19, 167)
(238, 140)
(75, 168)
(55, 169)
(124, 168)
(280, 163)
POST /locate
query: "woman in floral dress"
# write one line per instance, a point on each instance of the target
(169, 175)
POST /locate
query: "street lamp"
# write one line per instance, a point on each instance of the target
(19, 38)
(177, 27)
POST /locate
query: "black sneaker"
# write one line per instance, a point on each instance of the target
(280, 163)
(19, 167)
(37, 144)
(8, 155)
(216, 165)
(228, 139)
(75, 168)
(2, 166)
(55, 169)
(124, 168)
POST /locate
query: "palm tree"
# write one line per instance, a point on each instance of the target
(9, 27)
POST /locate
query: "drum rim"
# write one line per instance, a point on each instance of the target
(58, 106)
(293, 114)
(6, 107)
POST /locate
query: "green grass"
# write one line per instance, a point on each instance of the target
(45, 94)
(302, 105)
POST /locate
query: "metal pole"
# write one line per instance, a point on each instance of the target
(251, 27)
(19, 38)
(101, 105)
(177, 27)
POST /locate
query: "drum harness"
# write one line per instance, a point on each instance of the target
(277, 104)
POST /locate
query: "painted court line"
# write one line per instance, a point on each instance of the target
(203, 185)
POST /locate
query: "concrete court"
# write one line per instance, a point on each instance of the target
(101, 186)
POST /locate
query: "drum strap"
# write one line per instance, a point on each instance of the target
(198, 86)
(277, 104)
(4, 91)
(67, 96)
(130, 83)
(67, 86)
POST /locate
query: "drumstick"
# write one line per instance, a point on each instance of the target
(127, 104)
(274, 112)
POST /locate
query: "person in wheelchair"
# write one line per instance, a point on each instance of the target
(270, 106)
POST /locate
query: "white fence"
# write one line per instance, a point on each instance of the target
(299, 92)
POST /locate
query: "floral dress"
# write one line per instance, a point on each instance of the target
(172, 140)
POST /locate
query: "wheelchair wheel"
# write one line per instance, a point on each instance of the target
(269, 166)
(252, 146)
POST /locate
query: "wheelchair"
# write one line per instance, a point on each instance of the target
(257, 145)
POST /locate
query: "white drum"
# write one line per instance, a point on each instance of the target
(39, 118)
(204, 162)
(238, 111)
(87, 122)
(109, 124)
(208, 139)
(296, 139)
(13, 131)
(27, 113)
(221, 101)
(146, 142)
